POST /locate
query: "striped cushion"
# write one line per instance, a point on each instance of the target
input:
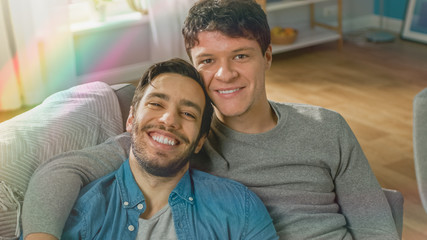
(76, 118)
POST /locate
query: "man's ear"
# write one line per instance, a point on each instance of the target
(129, 121)
(200, 143)
(268, 57)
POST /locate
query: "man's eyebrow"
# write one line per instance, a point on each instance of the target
(191, 104)
(244, 49)
(158, 95)
(203, 55)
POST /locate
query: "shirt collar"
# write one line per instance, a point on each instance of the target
(131, 195)
(183, 190)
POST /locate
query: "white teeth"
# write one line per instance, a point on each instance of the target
(228, 91)
(164, 140)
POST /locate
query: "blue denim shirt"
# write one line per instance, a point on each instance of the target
(203, 207)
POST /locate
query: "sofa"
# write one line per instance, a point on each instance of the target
(420, 143)
(72, 119)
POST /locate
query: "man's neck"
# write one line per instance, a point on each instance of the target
(261, 118)
(156, 189)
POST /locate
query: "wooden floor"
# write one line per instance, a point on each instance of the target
(372, 86)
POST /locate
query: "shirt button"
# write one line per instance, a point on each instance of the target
(126, 203)
(140, 206)
(131, 228)
(190, 198)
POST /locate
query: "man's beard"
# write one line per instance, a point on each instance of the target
(150, 165)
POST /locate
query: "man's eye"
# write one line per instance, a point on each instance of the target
(207, 61)
(189, 115)
(241, 56)
(154, 104)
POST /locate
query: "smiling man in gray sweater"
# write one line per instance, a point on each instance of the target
(303, 161)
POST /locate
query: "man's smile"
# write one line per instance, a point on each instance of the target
(228, 91)
(164, 139)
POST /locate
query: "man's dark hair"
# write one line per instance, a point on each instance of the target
(183, 68)
(233, 18)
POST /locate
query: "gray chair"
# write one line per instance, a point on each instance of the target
(420, 143)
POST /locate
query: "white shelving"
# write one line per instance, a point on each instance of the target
(290, 4)
(308, 37)
(317, 33)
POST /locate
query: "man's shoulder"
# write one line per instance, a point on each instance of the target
(302, 108)
(306, 111)
(212, 182)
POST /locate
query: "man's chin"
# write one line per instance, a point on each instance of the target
(152, 166)
(164, 171)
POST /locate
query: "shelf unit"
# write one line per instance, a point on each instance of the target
(317, 33)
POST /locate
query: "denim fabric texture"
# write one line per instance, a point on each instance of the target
(203, 207)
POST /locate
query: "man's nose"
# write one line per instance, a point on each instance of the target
(170, 119)
(225, 72)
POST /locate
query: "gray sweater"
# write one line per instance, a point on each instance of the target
(309, 171)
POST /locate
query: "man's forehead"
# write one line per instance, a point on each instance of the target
(173, 78)
(167, 85)
(204, 52)
(210, 42)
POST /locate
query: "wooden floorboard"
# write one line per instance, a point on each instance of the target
(372, 86)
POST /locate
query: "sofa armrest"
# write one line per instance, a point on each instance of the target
(420, 143)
